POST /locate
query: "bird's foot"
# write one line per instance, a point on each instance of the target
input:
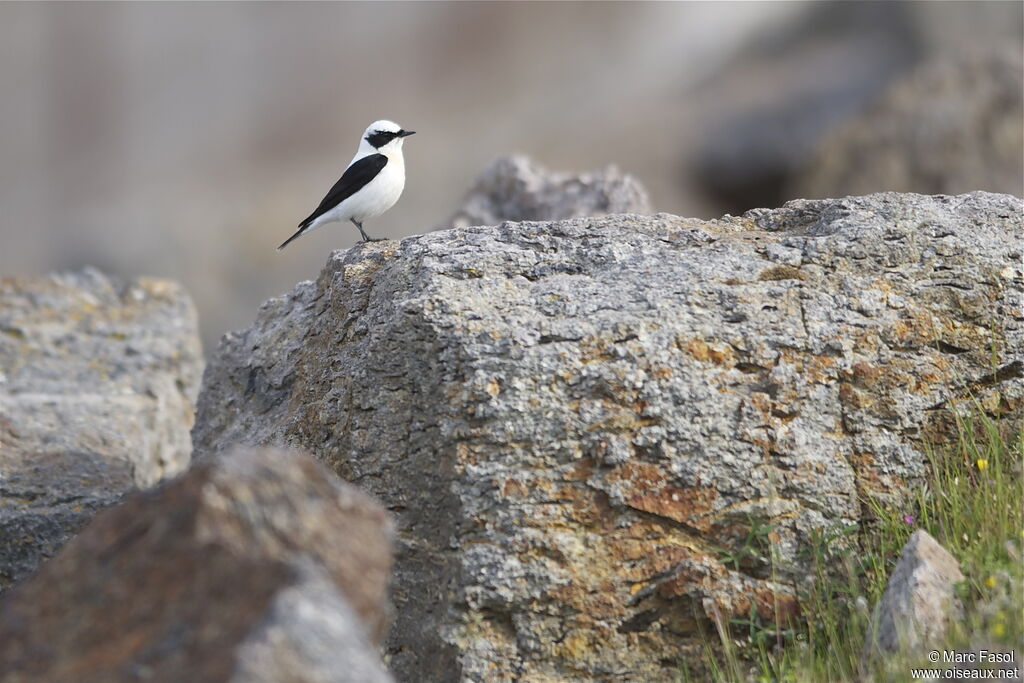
(373, 239)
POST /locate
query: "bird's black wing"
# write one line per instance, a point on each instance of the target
(352, 180)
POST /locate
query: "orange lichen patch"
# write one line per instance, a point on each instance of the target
(699, 570)
(882, 285)
(646, 487)
(918, 384)
(698, 349)
(761, 402)
(543, 486)
(577, 645)
(513, 488)
(619, 560)
(721, 354)
(595, 348)
(852, 398)
(639, 562)
(584, 506)
(652, 533)
(597, 599)
(780, 272)
(467, 453)
(869, 480)
(617, 566)
(660, 371)
(917, 329)
(769, 605)
(813, 367)
(566, 376)
(866, 373)
(581, 470)
(862, 461)
(966, 335)
(765, 445)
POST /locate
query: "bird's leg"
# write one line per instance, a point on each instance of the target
(366, 238)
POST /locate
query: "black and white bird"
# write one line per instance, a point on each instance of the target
(371, 184)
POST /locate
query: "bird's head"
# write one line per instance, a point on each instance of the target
(385, 136)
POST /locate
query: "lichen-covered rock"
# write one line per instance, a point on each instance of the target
(919, 601)
(515, 188)
(259, 566)
(953, 125)
(591, 430)
(98, 382)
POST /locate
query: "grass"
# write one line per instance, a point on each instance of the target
(972, 504)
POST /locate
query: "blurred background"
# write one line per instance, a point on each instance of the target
(187, 140)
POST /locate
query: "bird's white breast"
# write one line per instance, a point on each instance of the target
(374, 198)
(381, 193)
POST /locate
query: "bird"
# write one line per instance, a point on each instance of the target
(371, 184)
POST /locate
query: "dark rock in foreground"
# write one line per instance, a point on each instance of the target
(582, 424)
(97, 388)
(260, 566)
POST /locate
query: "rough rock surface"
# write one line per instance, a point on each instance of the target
(515, 188)
(260, 566)
(919, 600)
(98, 382)
(582, 424)
(955, 125)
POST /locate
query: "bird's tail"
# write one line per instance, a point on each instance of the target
(298, 233)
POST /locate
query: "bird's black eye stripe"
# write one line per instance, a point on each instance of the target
(379, 138)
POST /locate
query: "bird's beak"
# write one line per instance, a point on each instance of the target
(406, 133)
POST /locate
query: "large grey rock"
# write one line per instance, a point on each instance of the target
(98, 381)
(260, 566)
(582, 424)
(954, 125)
(919, 600)
(514, 188)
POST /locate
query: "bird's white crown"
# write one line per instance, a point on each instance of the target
(383, 126)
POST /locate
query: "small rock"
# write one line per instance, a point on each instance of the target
(919, 599)
(516, 189)
(258, 566)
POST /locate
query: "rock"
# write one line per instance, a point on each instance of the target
(768, 108)
(260, 566)
(516, 189)
(918, 600)
(98, 382)
(592, 430)
(954, 125)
